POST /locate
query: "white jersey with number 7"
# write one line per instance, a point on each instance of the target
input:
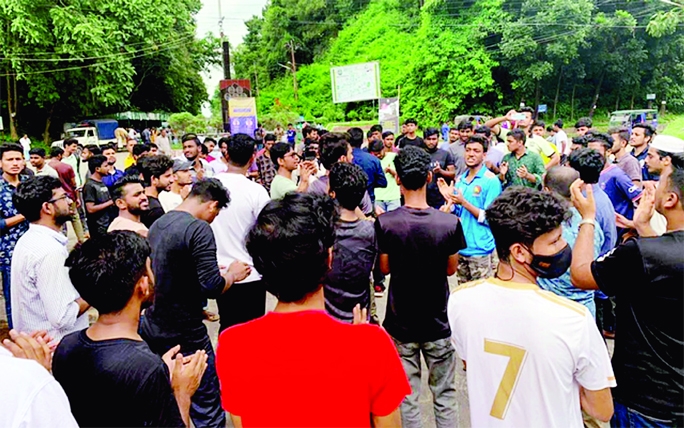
(528, 351)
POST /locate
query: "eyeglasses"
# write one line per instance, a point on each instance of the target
(64, 196)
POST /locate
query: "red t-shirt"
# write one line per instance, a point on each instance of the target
(306, 369)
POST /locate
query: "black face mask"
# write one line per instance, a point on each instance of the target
(552, 266)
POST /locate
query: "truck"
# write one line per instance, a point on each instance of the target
(92, 131)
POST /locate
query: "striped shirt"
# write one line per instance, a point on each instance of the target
(43, 297)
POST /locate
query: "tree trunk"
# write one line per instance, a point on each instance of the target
(555, 100)
(572, 103)
(632, 103)
(597, 92)
(617, 102)
(536, 99)
(12, 104)
(48, 122)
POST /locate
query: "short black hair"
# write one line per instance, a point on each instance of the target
(349, 183)
(580, 141)
(484, 130)
(520, 215)
(153, 146)
(675, 183)
(623, 133)
(649, 130)
(376, 146)
(410, 121)
(387, 134)
(429, 132)
(108, 147)
(538, 123)
(139, 149)
(307, 130)
(209, 140)
(465, 124)
(105, 269)
(376, 128)
(558, 123)
(479, 139)
(241, 149)
(278, 151)
(559, 178)
(95, 162)
(222, 141)
(413, 167)
(38, 151)
(355, 137)
(56, 151)
(369, 133)
(10, 147)
(589, 163)
(584, 122)
(190, 137)
(518, 134)
(154, 166)
(70, 142)
(270, 137)
(331, 147)
(117, 189)
(210, 190)
(526, 109)
(94, 149)
(31, 194)
(290, 244)
(599, 137)
(204, 149)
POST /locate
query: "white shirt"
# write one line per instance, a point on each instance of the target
(538, 345)
(43, 297)
(26, 145)
(163, 144)
(218, 166)
(30, 396)
(558, 140)
(169, 200)
(47, 170)
(247, 199)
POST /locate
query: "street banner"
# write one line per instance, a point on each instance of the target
(243, 116)
(389, 114)
(357, 82)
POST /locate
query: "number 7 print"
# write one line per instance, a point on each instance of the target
(516, 356)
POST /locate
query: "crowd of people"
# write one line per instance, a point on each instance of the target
(541, 233)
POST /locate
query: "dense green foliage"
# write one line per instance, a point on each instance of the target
(70, 59)
(449, 57)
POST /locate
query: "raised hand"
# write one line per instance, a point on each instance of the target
(585, 205)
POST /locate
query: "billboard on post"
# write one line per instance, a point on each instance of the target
(243, 116)
(357, 82)
(389, 114)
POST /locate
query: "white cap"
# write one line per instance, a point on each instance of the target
(668, 143)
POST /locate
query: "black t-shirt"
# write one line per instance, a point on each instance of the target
(445, 159)
(117, 383)
(647, 277)
(186, 273)
(153, 213)
(406, 141)
(97, 193)
(419, 243)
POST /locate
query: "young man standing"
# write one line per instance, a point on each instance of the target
(191, 153)
(130, 198)
(98, 201)
(419, 245)
(245, 300)
(640, 140)
(369, 163)
(387, 198)
(182, 183)
(583, 126)
(560, 139)
(267, 170)
(128, 385)
(520, 167)
(286, 160)
(12, 224)
(442, 165)
(624, 160)
(157, 173)
(114, 174)
(187, 273)
(532, 358)
(42, 295)
(472, 194)
(335, 385)
(539, 145)
(291, 135)
(37, 159)
(645, 275)
(162, 141)
(355, 248)
(457, 149)
(68, 179)
(130, 160)
(410, 138)
(72, 159)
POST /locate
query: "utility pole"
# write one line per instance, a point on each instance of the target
(293, 66)
(225, 45)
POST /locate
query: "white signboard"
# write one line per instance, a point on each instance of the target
(650, 96)
(358, 82)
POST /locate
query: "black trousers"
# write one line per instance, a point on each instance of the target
(241, 303)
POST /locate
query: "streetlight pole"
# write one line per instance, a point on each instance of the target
(293, 66)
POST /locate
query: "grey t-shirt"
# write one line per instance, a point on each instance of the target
(457, 150)
(97, 193)
(347, 283)
(630, 165)
(320, 187)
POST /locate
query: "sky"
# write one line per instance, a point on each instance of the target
(235, 13)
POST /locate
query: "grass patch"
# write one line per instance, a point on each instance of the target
(674, 125)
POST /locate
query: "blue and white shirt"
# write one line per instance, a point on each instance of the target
(9, 235)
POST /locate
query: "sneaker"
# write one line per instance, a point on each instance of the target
(379, 290)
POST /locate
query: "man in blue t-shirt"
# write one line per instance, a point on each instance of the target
(623, 193)
(473, 192)
(291, 134)
(640, 140)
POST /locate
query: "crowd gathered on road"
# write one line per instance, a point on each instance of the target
(559, 245)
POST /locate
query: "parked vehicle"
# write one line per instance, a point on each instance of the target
(95, 131)
(629, 118)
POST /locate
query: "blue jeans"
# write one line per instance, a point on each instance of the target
(441, 361)
(624, 417)
(388, 206)
(5, 272)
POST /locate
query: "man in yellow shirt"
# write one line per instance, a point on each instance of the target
(130, 160)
